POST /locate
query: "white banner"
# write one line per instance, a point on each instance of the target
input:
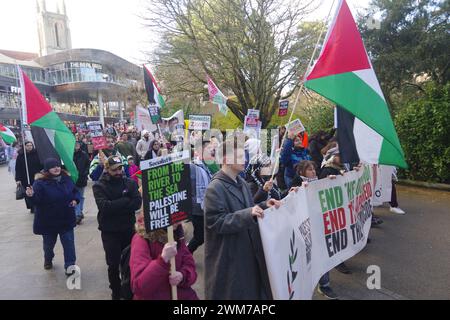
(143, 120)
(382, 177)
(314, 230)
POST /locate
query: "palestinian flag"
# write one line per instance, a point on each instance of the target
(216, 96)
(51, 136)
(344, 74)
(153, 93)
(7, 135)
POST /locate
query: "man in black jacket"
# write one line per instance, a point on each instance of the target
(81, 160)
(117, 199)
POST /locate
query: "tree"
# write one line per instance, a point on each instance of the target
(250, 48)
(411, 44)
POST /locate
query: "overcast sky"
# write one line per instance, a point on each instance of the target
(111, 25)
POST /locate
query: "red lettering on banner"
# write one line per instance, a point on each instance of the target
(334, 220)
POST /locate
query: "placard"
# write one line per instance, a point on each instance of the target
(96, 131)
(199, 122)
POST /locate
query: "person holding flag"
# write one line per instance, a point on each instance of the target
(55, 197)
(27, 166)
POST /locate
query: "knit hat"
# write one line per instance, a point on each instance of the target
(51, 163)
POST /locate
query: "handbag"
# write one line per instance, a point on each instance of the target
(20, 192)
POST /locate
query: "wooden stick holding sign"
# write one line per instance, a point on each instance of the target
(166, 195)
(173, 267)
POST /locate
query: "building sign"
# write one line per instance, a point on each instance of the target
(90, 65)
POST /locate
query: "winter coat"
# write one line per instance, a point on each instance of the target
(52, 198)
(195, 168)
(34, 167)
(315, 150)
(328, 171)
(150, 273)
(235, 266)
(117, 202)
(125, 148)
(81, 160)
(291, 156)
(142, 147)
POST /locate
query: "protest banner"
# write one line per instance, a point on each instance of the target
(295, 126)
(382, 177)
(97, 137)
(314, 230)
(143, 120)
(283, 108)
(173, 127)
(166, 190)
(199, 122)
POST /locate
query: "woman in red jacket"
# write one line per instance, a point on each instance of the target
(150, 265)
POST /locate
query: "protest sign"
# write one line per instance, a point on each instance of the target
(295, 126)
(252, 126)
(97, 137)
(166, 190)
(155, 115)
(199, 122)
(253, 113)
(283, 109)
(314, 230)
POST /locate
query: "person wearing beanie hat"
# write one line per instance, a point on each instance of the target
(55, 196)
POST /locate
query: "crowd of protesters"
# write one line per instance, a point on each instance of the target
(227, 201)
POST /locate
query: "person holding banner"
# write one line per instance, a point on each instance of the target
(117, 199)
(150, 265)
(235, 267)
(306, 173)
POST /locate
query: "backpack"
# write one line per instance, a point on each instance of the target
(125, 274)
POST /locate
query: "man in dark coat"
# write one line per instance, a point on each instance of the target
(34, 167)
(235, 266)
(117, 199)
(82, 162)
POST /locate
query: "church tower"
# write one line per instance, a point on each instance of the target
(53, 29)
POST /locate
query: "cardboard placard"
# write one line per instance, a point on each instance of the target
(199, 122)
(295, 126)
(98, 139)
(166, 190)
(283, 110)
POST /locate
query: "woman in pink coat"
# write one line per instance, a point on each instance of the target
(150, 265)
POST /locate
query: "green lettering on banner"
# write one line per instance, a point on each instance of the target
(338, 195)
(322, 201)
(329, 195)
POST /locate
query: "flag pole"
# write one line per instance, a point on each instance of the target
(22, 118)
(277, 161)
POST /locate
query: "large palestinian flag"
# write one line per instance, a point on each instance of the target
(153, 92)
(344, 74)
(51, 136)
